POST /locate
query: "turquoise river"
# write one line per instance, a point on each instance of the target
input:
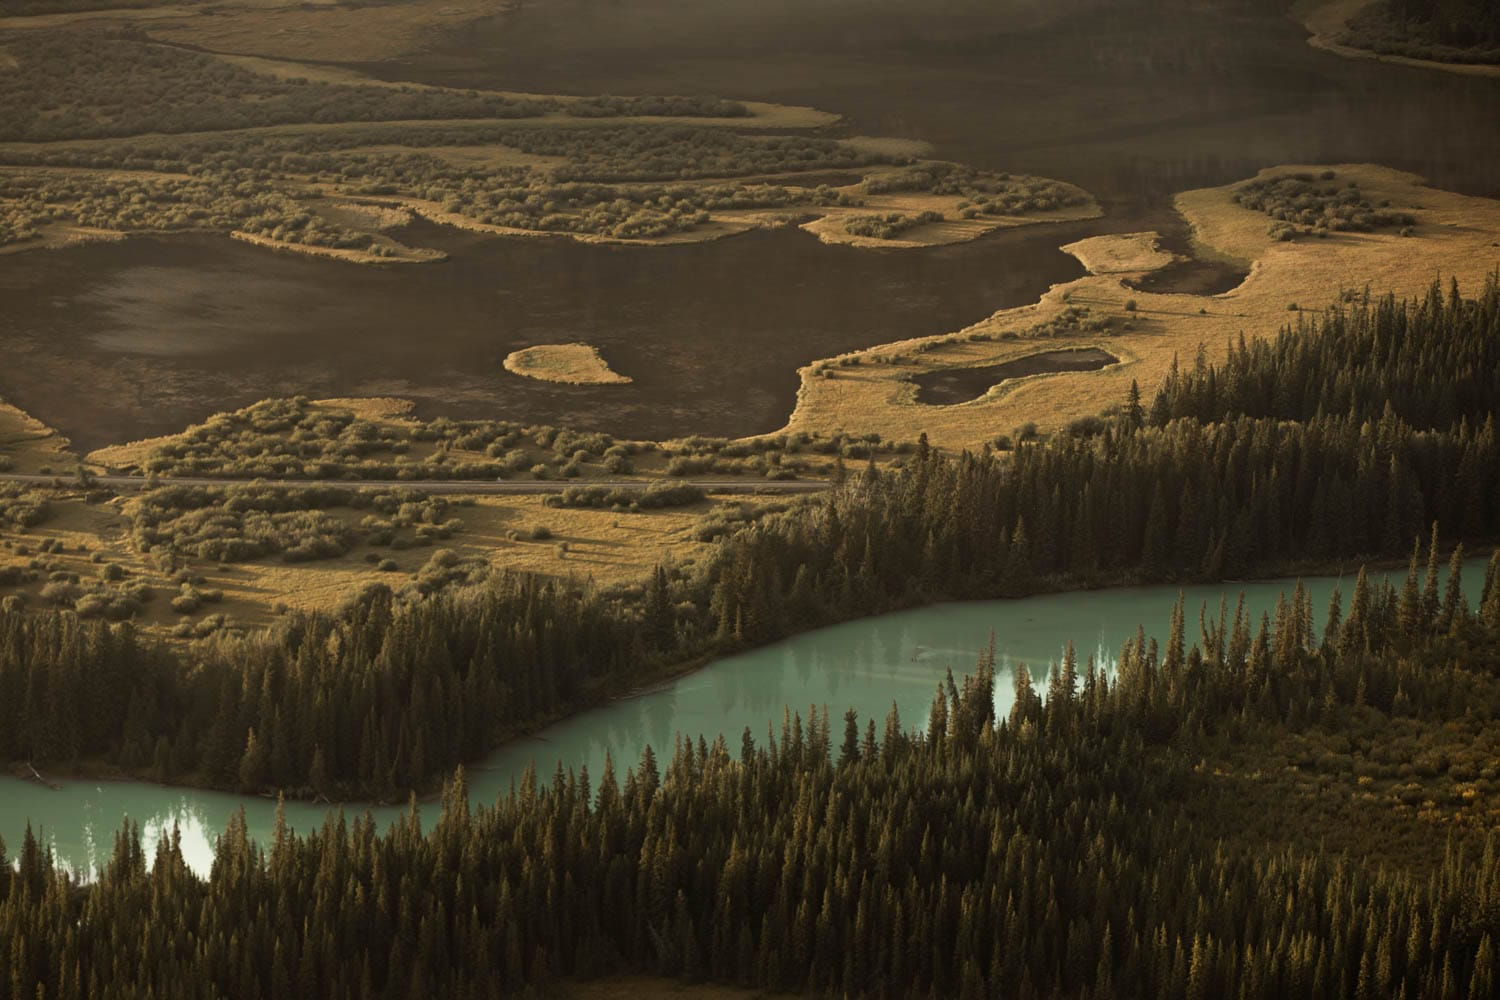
(866, 664)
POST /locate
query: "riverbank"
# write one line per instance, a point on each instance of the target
(569, 364)
(1453, 237)
(1327, 22)
(864, 664)
(618, 694)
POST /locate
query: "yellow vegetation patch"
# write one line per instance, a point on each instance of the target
(360, 215)
(871, 391)
(516, 533)
(889, 146)
(60, 237)
(28, 445)
(829, 227)
(575, 364)
(395, 253)
(1125, 253)
(131, 455)
(779, 116)
(606, 546)
(369, 407)
(727, 223)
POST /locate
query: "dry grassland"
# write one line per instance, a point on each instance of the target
(601, 546)
(1125, 253)
(396, 253)
(1455, 236)
(369, 407)
(573, 364)
(28, 445)
(889, 146)
(58, 236)
(829, 227)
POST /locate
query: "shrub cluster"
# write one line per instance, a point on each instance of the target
(230, 201)
(75, 84)
(21, 507)
(1316, 203)
(241, 523)
(888, 226)
(985, 192)
(93, 598)
(655, 496)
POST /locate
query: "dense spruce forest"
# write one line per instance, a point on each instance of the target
(1048, 854)
(1078, 848)
(1346, 439)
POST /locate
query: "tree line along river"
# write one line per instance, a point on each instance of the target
(867, 665)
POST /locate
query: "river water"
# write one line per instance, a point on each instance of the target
(866, 665)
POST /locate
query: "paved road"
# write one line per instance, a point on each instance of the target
(478, 487)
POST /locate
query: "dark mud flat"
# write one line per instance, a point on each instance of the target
(1133, 100)
(963, 385)
(1189, 274)
(115, 342)
(1192, 277)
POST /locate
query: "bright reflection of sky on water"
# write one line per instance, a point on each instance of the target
(866, 665)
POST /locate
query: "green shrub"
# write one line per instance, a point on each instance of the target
(1301, 200)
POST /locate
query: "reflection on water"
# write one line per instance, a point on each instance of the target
(866, 665)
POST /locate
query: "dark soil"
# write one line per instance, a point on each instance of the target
(1188, 275)
(114, 342)
(962, 385)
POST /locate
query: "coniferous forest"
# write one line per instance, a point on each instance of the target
(1046, 854)
(1342, 441)
(1062, 851)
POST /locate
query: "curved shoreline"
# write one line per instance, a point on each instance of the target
(613, 693)
(1324, 19)
(869, 389)
(564, 364)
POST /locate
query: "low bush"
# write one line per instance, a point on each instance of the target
(1316, 204)
(655, 496)
(240, 523)
(21, 507)
(888, 226)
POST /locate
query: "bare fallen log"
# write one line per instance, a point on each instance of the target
(36, 776)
